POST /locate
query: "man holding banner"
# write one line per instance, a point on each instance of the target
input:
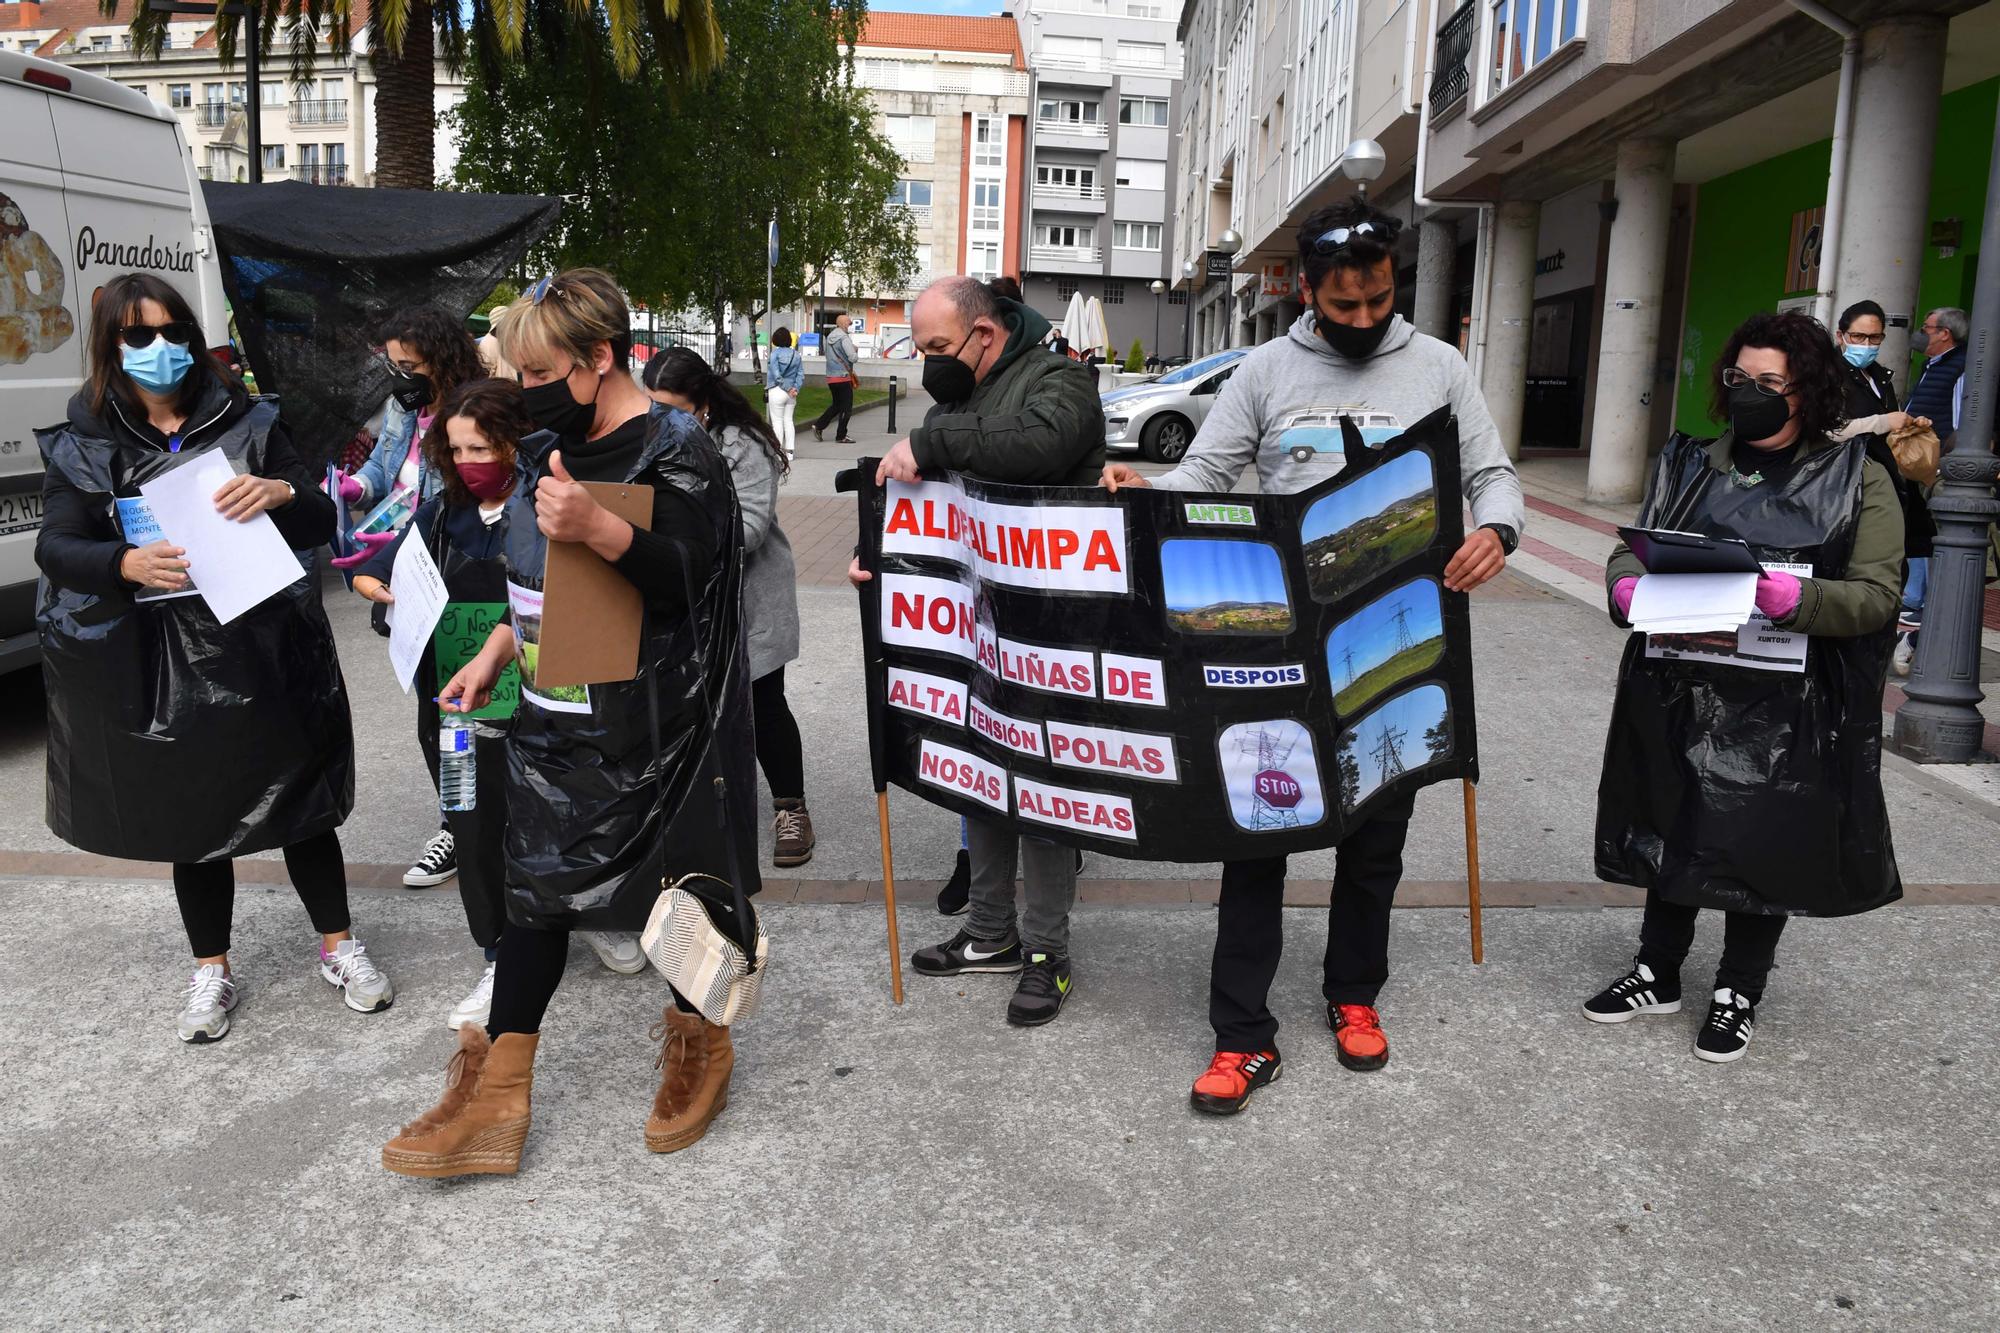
(1348, 355)
(1005, 409)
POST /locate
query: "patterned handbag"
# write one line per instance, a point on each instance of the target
(708, 968)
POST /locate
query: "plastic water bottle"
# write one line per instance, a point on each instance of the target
(458, 774)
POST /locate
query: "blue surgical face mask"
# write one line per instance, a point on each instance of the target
(159, 366)
(1858, 356)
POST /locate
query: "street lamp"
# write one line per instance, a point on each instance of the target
(1158, 287)
(1229, 243)
(1187, 332)
(1363, 161)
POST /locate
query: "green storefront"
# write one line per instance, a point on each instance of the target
(1744, 239)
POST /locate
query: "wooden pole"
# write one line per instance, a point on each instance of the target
(1471, 870)
(889, 896)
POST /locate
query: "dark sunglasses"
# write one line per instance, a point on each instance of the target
(179, 332)
(1339, 238)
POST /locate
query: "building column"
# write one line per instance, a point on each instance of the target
(1510, 309)
(1635, 279)
(1437, 261)
(1885, 228)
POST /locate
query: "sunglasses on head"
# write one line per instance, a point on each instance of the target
(1339, 238)
(545, 288)
(179, 332)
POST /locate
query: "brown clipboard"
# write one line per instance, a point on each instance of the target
(591, 614)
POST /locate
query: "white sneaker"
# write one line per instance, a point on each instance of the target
(476, 1007)
(210, 997)
(616, 949)
(361, 983)
(1905, 652)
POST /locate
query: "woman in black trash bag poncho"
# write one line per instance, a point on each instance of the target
(608, 786)
(173, 737)
(1728, 784)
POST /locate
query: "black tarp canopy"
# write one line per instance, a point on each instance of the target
(311, 270)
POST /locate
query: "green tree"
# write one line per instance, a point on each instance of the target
(676, 199)
(1135, 360)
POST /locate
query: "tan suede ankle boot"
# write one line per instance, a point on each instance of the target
(694, 1063)
(479, 1126)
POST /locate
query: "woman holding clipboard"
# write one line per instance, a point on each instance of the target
(1729, 784)
(172, 736)
(609, 787)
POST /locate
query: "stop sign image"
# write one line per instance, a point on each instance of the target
(1277, 788)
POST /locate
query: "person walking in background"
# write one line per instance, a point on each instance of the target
(784, 376)
(1936, 393)
(1003, 409)
(838, 345)
(174, 737)
(428, 354)
(678, 378)
(1757, 793)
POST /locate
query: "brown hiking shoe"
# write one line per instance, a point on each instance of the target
(694, 1063)
(480, 1124)
(792, 834)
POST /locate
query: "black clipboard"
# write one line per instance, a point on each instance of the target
(1666, 552)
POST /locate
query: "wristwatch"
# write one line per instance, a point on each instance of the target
(291, 493)
(1510, 540)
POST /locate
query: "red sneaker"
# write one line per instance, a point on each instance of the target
(1232, 1076)
(1357, 1034)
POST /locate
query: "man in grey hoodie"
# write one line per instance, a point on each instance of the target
(1349, 354)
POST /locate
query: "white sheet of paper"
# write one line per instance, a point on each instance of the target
(1693, 603)
(1757, 644)
(413, 616)
(235, 565)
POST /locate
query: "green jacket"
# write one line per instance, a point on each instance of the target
(1035, 420)
(1861, 603)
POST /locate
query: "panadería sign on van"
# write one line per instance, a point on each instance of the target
(173, 258)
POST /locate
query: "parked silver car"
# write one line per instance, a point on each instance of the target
(1159, 417)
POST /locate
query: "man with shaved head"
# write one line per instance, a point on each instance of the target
(1004, 408)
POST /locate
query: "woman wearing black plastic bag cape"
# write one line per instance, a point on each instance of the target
(609, 787)
(1736, 776)
(174, 737)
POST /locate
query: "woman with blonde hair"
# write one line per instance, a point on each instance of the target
(609, 787)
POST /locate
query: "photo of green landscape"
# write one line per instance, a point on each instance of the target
(1224, 587)
(1369, 526)
(1398, 635)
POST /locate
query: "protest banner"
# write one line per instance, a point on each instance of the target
(1168, 675)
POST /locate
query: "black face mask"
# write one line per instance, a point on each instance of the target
(554, 408)
(1356, 344)
(946, 378)
(1756, 415)
(410, 391)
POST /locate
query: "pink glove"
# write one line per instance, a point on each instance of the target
(371, 542)
(350, 489)
(1777, 595)
(1621, 596)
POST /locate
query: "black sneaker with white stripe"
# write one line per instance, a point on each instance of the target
(1637, 992)
(1726, 1034)
(438, 863)
(962, 953)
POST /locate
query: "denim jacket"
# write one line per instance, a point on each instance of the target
(378, 475)
(785, 369)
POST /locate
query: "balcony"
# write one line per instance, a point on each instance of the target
(1075, 129)
(1049, 63)
(212, 115)
(1451, 76)
(326, 111)
(1065, 254)
(918, 214)
(334, 173)
(1048, 191)
(912, 151)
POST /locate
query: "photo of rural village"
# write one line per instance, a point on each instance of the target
(1224, 587)
(1411, 730)
(1398, 635)
(1369, 526)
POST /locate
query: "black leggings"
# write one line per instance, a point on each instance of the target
(1749, 945)
(525, 977)
(779, 751)
(206, 891)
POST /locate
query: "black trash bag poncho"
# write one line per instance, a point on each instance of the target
(655, 777)
(1748, 790)
(173, 737)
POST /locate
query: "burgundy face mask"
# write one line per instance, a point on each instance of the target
(488, 481)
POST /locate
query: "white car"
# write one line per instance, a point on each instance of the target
(95, 180)
(1159, 417)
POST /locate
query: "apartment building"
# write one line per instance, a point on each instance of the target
(952, 95)
(320, 131)
(1101, 151)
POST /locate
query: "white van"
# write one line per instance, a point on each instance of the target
(95, 180)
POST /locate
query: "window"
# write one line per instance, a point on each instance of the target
(101, 42)
(211, 94)
(910, 131)
(180, 96)
(271, 92)
(1065, 234)
(1080, 182)
(1065, 288)
(983, 260)
(238, 92)
(1321, 124)
(1137, 174)
(985, 206)
(1114, 292)
(1140, 9)
(1087, 52)
(1142, 111)
(1067, 111)
(923, 253)
(1135, 236)
(1527, 32)
(1178, 296)
(911, 194)
(274, 157)
(1150, 54)
(308, 156)
(336, 156)
(989, 141)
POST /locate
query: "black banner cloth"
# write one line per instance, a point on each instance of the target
(1170, 675)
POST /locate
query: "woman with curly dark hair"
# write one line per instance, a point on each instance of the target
(1733, 779)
